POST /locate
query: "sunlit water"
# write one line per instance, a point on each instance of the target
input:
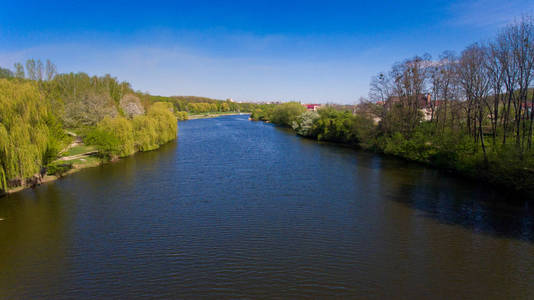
(240, 209)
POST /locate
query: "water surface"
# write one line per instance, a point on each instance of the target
(240, 209)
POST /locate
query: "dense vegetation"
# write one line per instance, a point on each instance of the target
(30, 134)
(471, 113)
(39, 107)
(202, 105)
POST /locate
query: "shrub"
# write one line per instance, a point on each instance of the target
(303, 124)
(58, 169)
(181, 115)
(336, 126)
(284, 114)
(106, 142)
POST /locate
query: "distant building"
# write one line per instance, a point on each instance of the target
(527, 106)
(313, 107)
(424, 103)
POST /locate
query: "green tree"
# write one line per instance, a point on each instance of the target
(285, 113)
(19, 70)
(5, 73)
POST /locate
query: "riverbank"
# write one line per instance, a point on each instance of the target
(450, 154)
(76, 157)
(51, 178)
(213, 115)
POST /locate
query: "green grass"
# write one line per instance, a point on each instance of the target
(79, 150)
(59, 168)
(88, 160)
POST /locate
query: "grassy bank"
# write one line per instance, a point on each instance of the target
(73, 159)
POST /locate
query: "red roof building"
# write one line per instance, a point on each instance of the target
(313, 107)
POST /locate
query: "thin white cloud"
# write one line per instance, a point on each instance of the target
(489, 14)
(174, 70)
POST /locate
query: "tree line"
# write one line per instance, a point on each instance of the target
(201, 105)
(35, 70)
(471, 113)
(479, 113)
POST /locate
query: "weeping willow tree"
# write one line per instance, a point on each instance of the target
(122, 130)
(25, 137)
(145, 133)
(119, 137)
(165, 120)
(158, 127)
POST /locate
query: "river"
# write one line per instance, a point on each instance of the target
(240, 209)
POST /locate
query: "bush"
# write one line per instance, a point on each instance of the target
(106, 142)
(284, 114)
(336, 126)
(58, 169)
(303, 124)
(181, 115)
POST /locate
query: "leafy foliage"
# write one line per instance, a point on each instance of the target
(6, 73)
(29, 133)
(303, 124)
(335, 126)
(284, 114)
(34, 112)
(200, 105)
(119, 137)
(181, 115)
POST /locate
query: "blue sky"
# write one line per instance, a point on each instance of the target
(310, 51)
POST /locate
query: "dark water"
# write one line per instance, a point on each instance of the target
(239, 209)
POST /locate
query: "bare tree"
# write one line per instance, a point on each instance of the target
(380, 88)
(30, 69)
(523, 54)
(131, 105)
(475, 82)
(50, 70)
(409, 80)
(495, 70)
(19, 70)
(88, 108)
(39, 70)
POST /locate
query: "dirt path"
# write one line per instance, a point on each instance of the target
(81, 155)
(77, 141)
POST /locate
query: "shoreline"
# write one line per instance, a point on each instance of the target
(75, 169)
(78, 167)
(51, 178)
(482, 176)
(210, 116)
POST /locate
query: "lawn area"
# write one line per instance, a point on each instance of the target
(85, 161)
(79, 150)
